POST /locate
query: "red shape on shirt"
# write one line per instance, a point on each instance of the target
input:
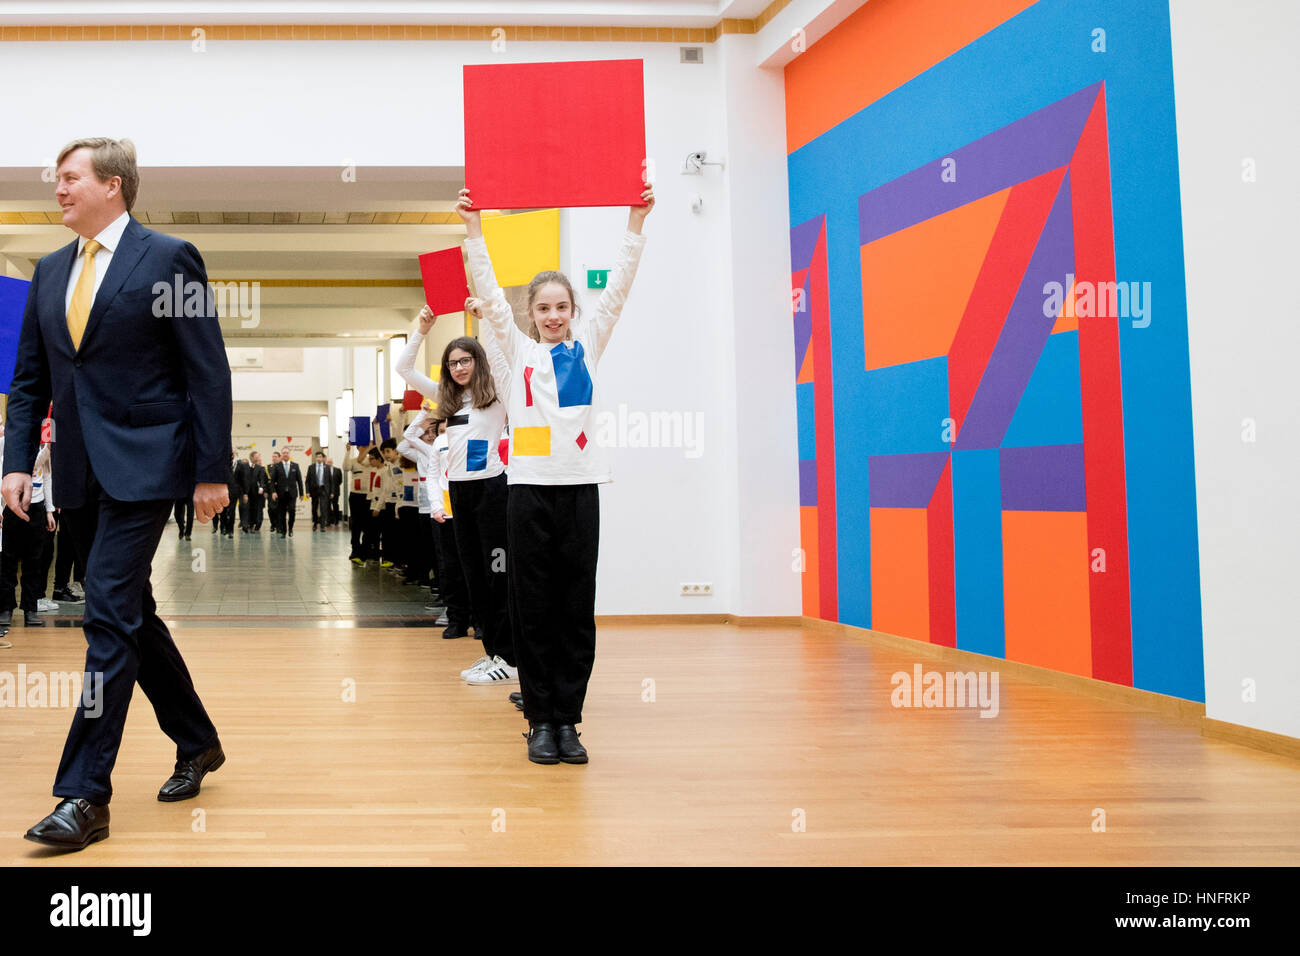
(528, 386)
(582, 440)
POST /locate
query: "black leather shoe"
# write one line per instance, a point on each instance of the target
(6, 617)
(33, 619)
(454, 631)
(517, 699)
(566, 737)
(541, 743)
(74, 825)
(184, 783)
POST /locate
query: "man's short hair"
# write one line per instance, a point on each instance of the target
(109, 158)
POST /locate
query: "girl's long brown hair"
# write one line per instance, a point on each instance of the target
(482, 390)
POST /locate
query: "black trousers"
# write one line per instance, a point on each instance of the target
(273, 512)
(24, 545)
(451, 580)
(320, 509)
(227, 519)
(184, 516)
(554, 535)
(287, 512)
(257, 502)
(358, 515)
(480, 519)
(335, 513)
(421, 552)
(126, 643)
(67, 563)
(386, 542)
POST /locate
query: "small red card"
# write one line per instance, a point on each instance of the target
(443, 274)
(542, 135)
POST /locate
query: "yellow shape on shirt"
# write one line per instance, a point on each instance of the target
(533, 440)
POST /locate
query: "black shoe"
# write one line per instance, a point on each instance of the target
(454, 631)
(184, 782)
(187, 537)
(517, 699)
(63, 596)
(33, 619)
(541, 743)
(571, 751)
(6, 617)
(74, 825)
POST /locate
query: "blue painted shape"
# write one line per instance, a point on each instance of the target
(572, 380)
(805, 404)
(476, 454)
(807, 483)
(1051, 410)
(977, 551)
(901, 409)
(13, 302)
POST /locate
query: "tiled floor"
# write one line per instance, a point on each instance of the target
(307, 578)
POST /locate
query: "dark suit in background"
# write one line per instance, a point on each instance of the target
(142, 412)
(227, 522)
(288, 488)
(320, 479)
(243, 479)
(336, 515)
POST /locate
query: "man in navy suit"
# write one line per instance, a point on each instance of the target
(142, 416)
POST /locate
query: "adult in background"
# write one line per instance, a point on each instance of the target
(336, 515)
(142, 391)
(320, 481)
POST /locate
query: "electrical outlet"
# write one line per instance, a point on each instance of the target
(697, 589)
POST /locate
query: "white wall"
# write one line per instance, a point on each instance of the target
(1235, 81)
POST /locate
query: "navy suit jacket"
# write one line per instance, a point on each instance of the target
(145, 400)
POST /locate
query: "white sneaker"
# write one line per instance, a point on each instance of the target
(477, 665)
(495, 672)
(44, 605)
(77, 591)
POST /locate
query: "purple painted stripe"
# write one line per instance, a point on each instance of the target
(803, 326)
(1029, 147)
(1023, 335)
(904, 481)
(1042, 478)
(803, 242)
(808, 482)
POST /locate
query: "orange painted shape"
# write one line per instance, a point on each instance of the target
(875, 50)
(808, 542)
(916, 282)
(806, 370)
(1045, 589)
(1067, 322)
(900, 573)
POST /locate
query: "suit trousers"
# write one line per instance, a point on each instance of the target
(320, 509)
(554, 535)
(126, 643)
(480, 519)
(67, 563)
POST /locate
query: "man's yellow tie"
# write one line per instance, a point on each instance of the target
(83, 296)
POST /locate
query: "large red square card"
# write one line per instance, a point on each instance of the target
(541, 135)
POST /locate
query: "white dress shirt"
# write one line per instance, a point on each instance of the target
(108, 240)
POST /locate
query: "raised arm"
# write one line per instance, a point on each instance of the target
(612, 300)
(406, 361)
(495, 309)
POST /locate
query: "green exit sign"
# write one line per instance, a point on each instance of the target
(597, 278)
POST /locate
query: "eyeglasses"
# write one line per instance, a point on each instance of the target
(460, 363)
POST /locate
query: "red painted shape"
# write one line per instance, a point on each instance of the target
(1103, 409)
(995, 289)
(581, 440)
(824, 405)
(528, 386)
(938, 525)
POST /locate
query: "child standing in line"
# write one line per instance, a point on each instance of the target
(553, 515)
(470, 396)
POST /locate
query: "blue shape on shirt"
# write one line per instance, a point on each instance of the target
(571, 378)
(476, 455)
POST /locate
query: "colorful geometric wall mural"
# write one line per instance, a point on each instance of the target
(994, 421)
